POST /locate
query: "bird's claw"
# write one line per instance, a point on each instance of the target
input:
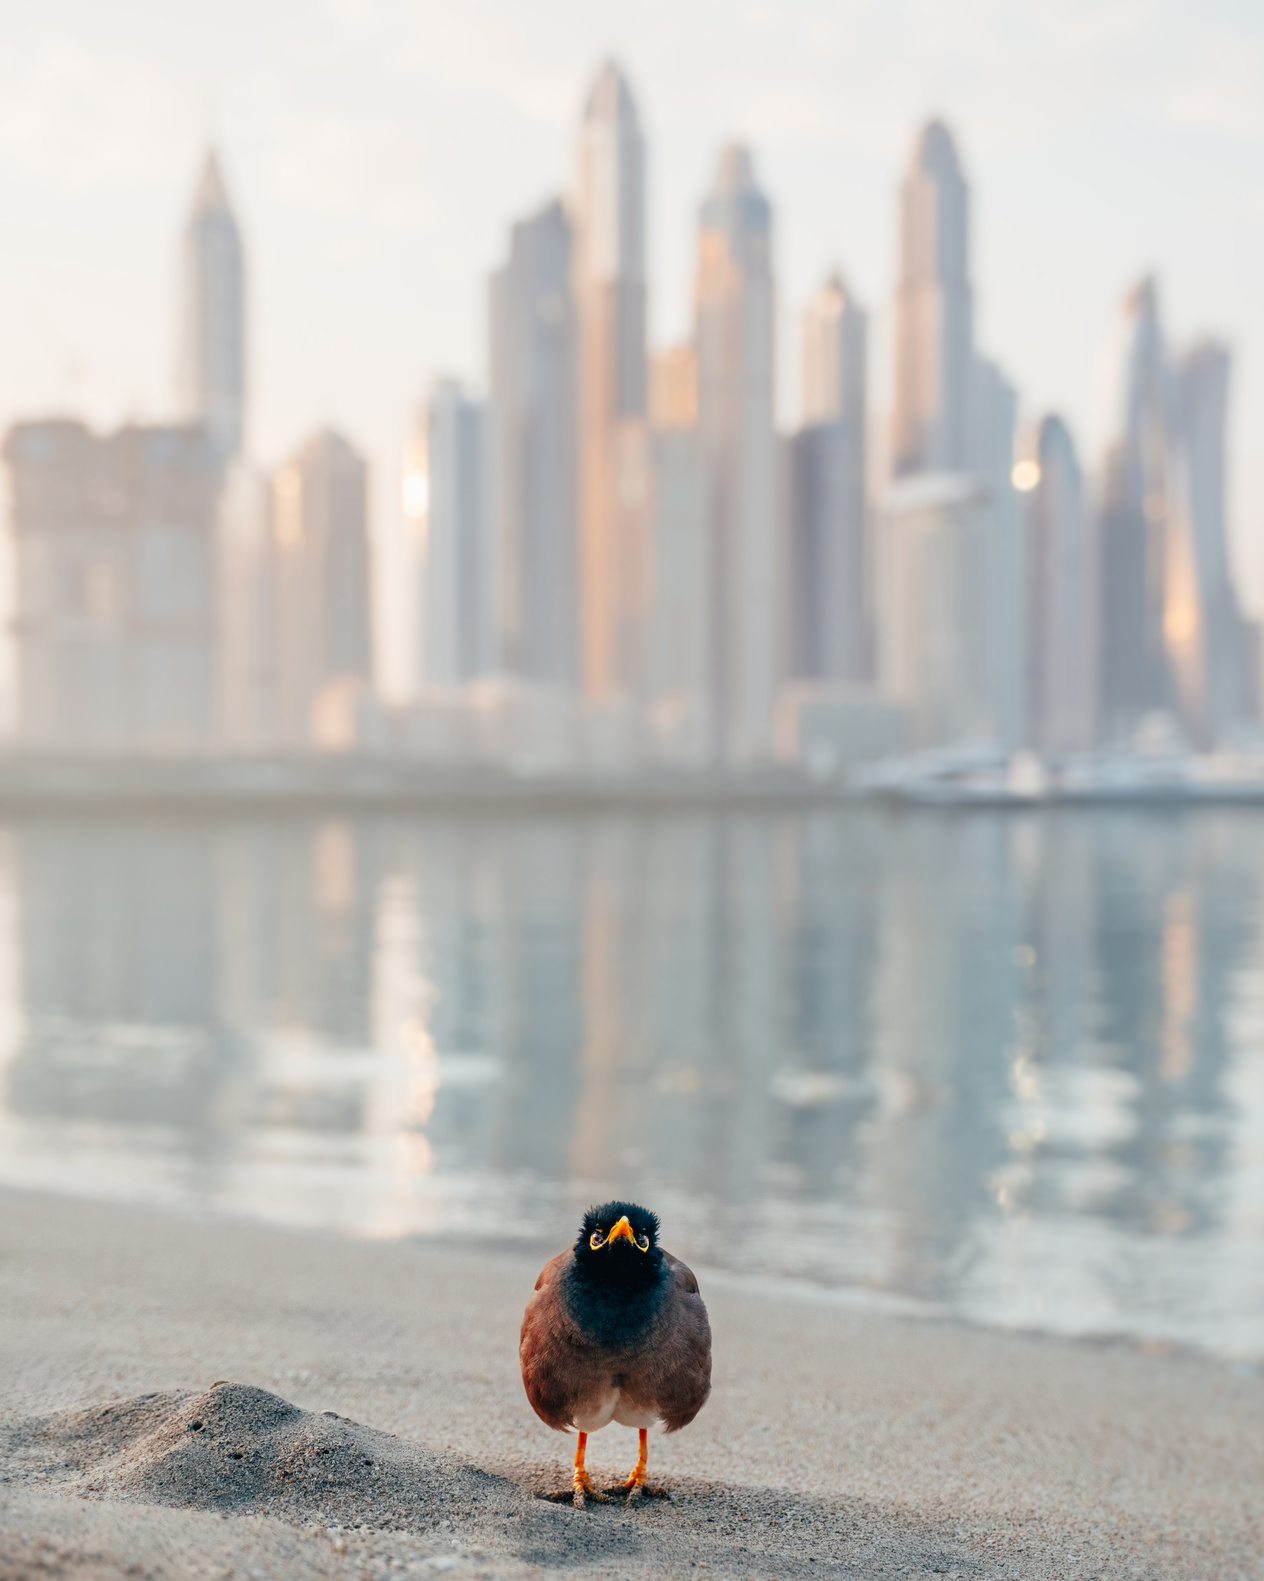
(583, 1487)
(638, 1490)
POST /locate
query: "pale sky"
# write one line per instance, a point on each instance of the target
(377, 150)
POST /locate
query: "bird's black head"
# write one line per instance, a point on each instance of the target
(618, 1245)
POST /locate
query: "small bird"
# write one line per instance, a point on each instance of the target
(615, 1331)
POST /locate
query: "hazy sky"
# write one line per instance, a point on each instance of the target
(376, 151)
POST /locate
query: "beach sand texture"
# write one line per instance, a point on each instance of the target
(373, 1423)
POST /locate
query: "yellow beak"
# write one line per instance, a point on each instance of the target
(622, 1228)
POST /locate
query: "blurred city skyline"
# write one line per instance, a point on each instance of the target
(376, 155)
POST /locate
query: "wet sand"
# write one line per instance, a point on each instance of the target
(837, 1442)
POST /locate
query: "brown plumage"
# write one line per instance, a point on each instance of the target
(616, 1330)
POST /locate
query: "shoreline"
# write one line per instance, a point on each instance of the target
(1023, 1456)
(772, 1287)
(34, 783)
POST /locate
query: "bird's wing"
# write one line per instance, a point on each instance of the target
(558, 1372)
(674, 1376)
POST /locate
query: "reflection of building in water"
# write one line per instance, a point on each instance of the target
(1006, 1061)
(942, 994)
(115, 599)
(296, 921)
(1175, 923)
(117, 977)
(158, 962)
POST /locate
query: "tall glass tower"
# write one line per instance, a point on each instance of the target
(934, 332)
(212, 364)
(735, 341)
(610, 302)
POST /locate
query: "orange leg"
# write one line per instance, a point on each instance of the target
(636, 1486)
(582, 1482)
(637, 1479)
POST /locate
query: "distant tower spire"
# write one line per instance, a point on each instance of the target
(934, 334)
(212, 373)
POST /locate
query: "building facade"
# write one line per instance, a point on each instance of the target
(1137, 501)
(1062, 599)
(532, 454)
(677, 680)
(1202, 397)
(320, 582)
(116, 611)
(610, 297)
(735, 348)
(934, 312)
(828, 620)
(953, 571)
(447, 486)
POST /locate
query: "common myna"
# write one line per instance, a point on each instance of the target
(616, 1332)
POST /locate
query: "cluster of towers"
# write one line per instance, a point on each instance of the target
(629, 525)
(621, 540)
(626, 527)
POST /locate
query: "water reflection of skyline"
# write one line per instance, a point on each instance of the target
(1013, 1064)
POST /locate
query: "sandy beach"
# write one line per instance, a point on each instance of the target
(837, 1442)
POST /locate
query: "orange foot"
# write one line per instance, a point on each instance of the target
(581, 1482)
(636, 1486)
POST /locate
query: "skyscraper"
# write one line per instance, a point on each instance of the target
(1202, 378)
(532, 578)
(447, 487)
(734, 336)
(835, 356)
(610, 298)
(212, 360)
(828, 636)
(934, 333)
(320, 549)
(1137, 486)
(952, 574)
(677, 670)
(1062, 601)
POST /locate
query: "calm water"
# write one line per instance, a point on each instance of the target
(1009, 1064)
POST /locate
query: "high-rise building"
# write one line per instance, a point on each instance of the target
(610, 298)
(1173, 637)
(1062, 600)
(321, 582)
(1137, 493)
(246, 685)
(734, 337)
(115, 600)
(212, 359)
(446, 500)
(835, 357)
(828, 615)
(1202, 378)
(934, 335)
(952, 568)
(532, 578)
(677, 662)
(947, 650)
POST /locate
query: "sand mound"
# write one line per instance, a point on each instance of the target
(234, 1451)
(236, 1448)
